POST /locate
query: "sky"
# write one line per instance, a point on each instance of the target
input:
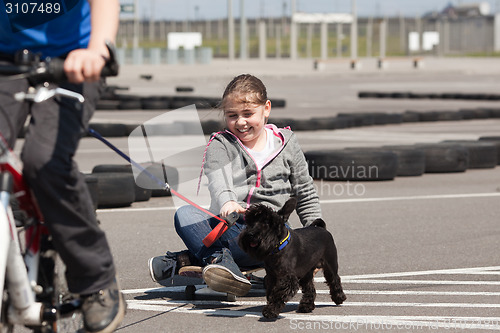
(211, 9)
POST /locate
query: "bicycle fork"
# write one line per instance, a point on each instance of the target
(22, 306)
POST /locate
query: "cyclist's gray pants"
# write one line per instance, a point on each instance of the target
(51, 141)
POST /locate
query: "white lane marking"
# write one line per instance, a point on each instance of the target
(466, 271)
(415, 197)
(345, 304)
(334, 201)
(180, 289)
(237, 309)
(418, 282)
(355, 322)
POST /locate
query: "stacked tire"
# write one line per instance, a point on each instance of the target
(114, 185)
(388, 162)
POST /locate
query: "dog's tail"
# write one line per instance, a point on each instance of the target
(319, 223)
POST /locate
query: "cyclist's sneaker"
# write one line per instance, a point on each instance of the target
(164, 267)
(225, 276)
(103, 311)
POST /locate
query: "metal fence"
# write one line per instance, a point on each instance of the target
(461, 36)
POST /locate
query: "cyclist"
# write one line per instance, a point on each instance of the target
(75, 30)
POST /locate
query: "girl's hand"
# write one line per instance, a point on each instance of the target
(229, 207)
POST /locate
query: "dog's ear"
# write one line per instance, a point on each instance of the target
(288, 208)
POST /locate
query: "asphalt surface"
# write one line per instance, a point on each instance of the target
(415, 253)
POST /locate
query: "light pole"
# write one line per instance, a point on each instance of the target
(230, 28)
(243, 31)
(354, 37)
(293, 34)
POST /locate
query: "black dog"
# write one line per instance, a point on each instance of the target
(290, 257)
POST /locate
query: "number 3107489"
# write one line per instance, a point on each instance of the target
(33, 8)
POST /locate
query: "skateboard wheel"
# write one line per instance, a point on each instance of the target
(190, 292)
(231, 298)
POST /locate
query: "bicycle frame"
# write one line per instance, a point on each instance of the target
(21, 273)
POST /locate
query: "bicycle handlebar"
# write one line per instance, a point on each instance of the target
(28, 65)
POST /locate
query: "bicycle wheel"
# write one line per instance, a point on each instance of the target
(74, 321)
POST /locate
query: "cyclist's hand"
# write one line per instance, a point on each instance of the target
(83, 65)
(229, 207)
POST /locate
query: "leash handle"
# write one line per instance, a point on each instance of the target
(220, 229)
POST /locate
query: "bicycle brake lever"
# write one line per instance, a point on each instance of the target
(42, 94)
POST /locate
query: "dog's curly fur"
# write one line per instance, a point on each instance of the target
(294, 265)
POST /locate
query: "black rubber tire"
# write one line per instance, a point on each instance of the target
(357, 119)
(352, 165)
(411, 160)
(467, 114)
(156, 169)
(282, 122)
(441, 157)
(331, 123)
(107, 105)
(155, 103)
(411, 116)
(116, 189)
(429, 116)
(130, 103)
(482, 155)
(367, 94)
(278, 103)
(93, 186)
(141, 194)
(495, 140)
(211, 126)
(110, 130)
(449, 115)
(184, 89)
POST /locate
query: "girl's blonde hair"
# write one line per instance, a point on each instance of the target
(245, 88)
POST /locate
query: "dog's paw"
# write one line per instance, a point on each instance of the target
(339, 297)
(306, 307)
(270, 312)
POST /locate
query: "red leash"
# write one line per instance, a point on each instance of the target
(220, 229)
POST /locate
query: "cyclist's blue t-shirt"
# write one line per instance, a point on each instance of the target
(50, 27)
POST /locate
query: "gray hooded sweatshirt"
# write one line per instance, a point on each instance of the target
(234, 175)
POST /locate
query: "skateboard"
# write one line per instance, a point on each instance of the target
(191, 278)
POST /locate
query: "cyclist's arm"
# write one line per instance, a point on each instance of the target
(86, 64)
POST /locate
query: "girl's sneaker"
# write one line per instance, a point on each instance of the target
(224, 275)
(165, 267)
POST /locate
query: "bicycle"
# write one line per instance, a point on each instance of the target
(32, 281)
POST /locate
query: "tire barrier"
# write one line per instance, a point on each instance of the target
(140, 194)
(340, 121)
(352, 165)
(115, 189)
(441, 157)
(93, 187)
(482, 154)
(112, 100)
(388, 162)
(494, 140)
(411, 160)
(412, 95)
(144, 187)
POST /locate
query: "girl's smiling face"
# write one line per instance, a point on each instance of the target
(247, 121)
